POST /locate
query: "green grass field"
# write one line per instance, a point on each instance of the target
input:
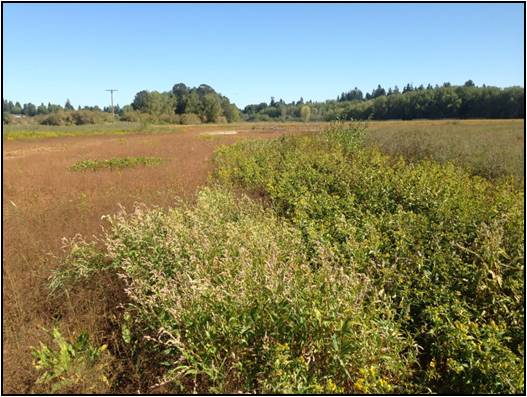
(37, 131)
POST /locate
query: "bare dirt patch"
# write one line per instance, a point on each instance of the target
(219, 133)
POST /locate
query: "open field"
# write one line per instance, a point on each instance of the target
(44, 201)
(489, 148)
(37, 131)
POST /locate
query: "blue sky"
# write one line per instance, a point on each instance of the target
(250, 52)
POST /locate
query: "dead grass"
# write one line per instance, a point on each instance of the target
(43, 201)
(489, 148)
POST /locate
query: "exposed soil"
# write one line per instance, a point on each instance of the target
(220, 133)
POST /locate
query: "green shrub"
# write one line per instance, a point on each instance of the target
(78, 367)
(131, 115)
(190, 118)
(57, 118)
(170, 118)
(364, 273)
(261, 117)
(81, 117)
(445, 248)
(164, 118)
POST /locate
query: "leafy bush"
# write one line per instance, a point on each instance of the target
(170, 118)
(72, 367)
(131, 115)
(363, 273)
(445, 248)
(224, 294)
(261, 117)
(78, 117)
(190, 118)
(57, 118)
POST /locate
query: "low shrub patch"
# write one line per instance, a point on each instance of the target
(115, 163)
(72, 367)
(76, 117)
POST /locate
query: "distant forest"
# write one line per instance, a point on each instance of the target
(186, 105)
(447, 101)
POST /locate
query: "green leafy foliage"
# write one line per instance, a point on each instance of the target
(190, 118)
(413, 103)
(72, 367)
(115, 163)
(445, 248)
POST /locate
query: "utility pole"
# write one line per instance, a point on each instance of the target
(112, 90)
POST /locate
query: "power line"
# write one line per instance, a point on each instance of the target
(112, 90)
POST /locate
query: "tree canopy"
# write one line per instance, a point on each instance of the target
(447, 101)
(183, 104)
(203, 101)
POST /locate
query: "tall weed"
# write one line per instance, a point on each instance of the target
(223, 293)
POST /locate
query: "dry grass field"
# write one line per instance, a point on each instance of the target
(44, 201)
(490, 148)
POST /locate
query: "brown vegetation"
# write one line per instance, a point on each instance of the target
(44, 201)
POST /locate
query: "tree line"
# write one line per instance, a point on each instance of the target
(54, 114)
(446, 101)
(29, 109)
(202, 104)
(180, 105)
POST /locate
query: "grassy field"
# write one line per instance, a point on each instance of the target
(45, 201)
(36, 131)
(490, 148)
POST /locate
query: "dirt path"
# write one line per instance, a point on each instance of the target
(43, 201)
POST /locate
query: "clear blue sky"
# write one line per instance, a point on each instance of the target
(251, 52)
